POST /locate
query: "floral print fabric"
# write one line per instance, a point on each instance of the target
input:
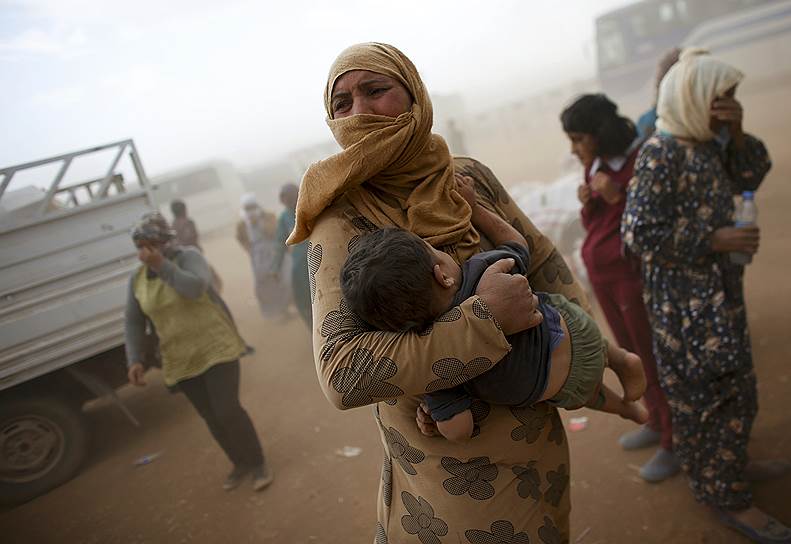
(681, 193)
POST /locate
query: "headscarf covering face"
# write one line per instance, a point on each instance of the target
(154, 228)
(407, 170)
(688, 90)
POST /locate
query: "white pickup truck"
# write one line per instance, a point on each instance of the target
(65, 259)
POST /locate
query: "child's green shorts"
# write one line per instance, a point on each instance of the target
(588, 358)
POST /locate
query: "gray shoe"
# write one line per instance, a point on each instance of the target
(262, 477)
(643, 437)
(235, 477)
(660, 467)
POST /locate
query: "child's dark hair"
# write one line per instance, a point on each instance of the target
(597, 115)
(178, 208)
(387, 280)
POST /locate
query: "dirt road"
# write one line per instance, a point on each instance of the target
(321, 497)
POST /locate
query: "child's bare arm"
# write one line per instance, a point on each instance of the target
(458, 428)
(494, 227)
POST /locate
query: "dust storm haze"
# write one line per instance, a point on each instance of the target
(225, 98)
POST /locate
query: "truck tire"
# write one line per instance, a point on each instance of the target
(43, 441)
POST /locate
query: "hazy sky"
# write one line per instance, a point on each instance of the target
(191, 80)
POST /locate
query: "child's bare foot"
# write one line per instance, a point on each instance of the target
(629, 369)
(634, 411)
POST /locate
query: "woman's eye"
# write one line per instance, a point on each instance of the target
(340, 106)
(377, 90)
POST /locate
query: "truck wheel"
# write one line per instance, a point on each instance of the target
(42, 444)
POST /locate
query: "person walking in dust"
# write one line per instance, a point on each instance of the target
(256, 232)
(199, 346)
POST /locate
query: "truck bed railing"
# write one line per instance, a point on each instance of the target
(94, 189)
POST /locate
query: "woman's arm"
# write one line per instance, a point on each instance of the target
(189, 274)
(651, 225)
(495, 228)
(358, 366)
(548, 271)
(748, 164)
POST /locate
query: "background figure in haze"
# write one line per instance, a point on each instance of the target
(187, 236)
(607, 145)
(679, 219)
(198, 343)
(647, 121)
(300, 284)
(186, 231)
(256, 232)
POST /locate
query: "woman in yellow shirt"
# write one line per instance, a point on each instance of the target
(171, 294)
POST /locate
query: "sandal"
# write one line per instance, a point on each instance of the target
(773, 532)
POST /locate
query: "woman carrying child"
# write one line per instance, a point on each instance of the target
(390, 275)
(512, 479)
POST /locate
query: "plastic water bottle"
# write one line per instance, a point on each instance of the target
(746, 216)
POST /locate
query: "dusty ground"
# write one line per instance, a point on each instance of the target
(320, 496)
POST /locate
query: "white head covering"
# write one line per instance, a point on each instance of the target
(687, 91)
(248, 199)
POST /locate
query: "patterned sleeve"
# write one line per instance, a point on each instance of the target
(749, 166)
(358, 366)
(548, 271)
(654, 224)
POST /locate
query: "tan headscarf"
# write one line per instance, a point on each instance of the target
(687, 91)
(406, 170)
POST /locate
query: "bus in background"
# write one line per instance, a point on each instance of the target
(754, 35)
